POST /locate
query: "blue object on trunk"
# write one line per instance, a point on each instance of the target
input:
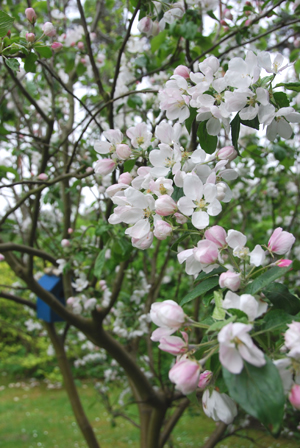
(53, 284)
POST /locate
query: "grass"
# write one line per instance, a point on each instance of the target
(39, 417)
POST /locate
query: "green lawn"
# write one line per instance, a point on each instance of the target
(39, 417)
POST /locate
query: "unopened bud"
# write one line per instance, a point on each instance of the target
(42, 176)
(65, 243)
(48, 29)
(30, 37)
(30, 15)
(56, 46)
(80, 45)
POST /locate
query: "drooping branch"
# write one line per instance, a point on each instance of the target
(8, 247)
(17, 299)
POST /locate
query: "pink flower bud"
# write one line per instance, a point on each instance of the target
(83, 61)
(223, 22)
(173, 345)
(30, 37)
(56, 46)
(42, 176)
(183, 71)
(284, 263)
(294, 396)
(70, 301)
(230, 280)
(105, 166)
(144, 242)
(2, 257)
(102, 284)
(181, 219)
(248, 22)
(162, 230)
(70, 230)
(30, 15)
(48, 29)
(125, 178)
(217, 235)
(206, 252)
(167, 314)
(93, 36)
(204, 379)
(123, 151)
(185, 374)
(65, 243)
(165, 205)
(248, 13)
(281, 242)
(155, 28)
(227, 14)
(80, 45)
(145, 25)
(227, 153)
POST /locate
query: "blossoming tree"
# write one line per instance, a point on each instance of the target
(176, 122)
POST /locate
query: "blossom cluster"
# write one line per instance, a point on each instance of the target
(241, 90)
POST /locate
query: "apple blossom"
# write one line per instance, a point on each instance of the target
(283, 263)
(30, 37)
(145, 25)
(65, 243)
(48, 29)
(125, 178)
(70, 230)
(56, 46)
(246, 303)
(236, 345)
(227, 153)
(294, 396)
(105, 166)
(281, 241)
(30, 15)
(43, 176)
(206, 252)
(165, 205)
(219, 406)
(2, 257)
(257, 256)
(174, 344)
(230, 280)
(204, 379)
(217, 235)
(167, 314)
(123, 151)
(143, 242)
(180, 219)
(162, 230)
(183, 71)
(185, 374)
(292, 339)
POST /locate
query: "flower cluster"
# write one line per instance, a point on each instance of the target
(241, 90)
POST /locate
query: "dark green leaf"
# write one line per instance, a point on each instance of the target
(281, 298)
(128, 165)
(13, 64)
(6, 23)
(99, 264)
(265, 279)
(281, 99)
(44, 52)
(189, 121)
(30, 61)
(211, 14)
(135, 101)
(177, 193)
(295, 86)
(238, 313)
(276, 319)
(205, 275)
(174, 246)
(259, 391)
(208, 142)
(200, 289)
(235, 130)
(251, 123)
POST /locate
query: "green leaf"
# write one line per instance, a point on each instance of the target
(13, 64)
(211, 14)
(30, 63)
(44, 51)
(259, 391)
(6, 23)
(174, 246)
(276, 319)
(200, 289)
(189, 121)
(158, 40)
(205, 275)
(235, 130)
(219, 313)
(218, 325)
(177, 193)
(99, 264)
(281, 99)
(128, 165)
(251, 123)
(208, 142)
(265, 279)
(135, 101)
(281, 298)
(238, 313)
(295, 86)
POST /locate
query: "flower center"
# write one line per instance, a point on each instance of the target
(162, 189)
(200, 205)
(140, 140)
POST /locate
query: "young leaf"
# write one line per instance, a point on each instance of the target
(13, 64)
(259, 391)
(6, 23)
(235, 130)
(208, 142)
(99, 264)
(200, 289)
(265, 279)
(281, 298)
(44, 52)
(219, 313)
(205, 275)
(295, 86)
(30, 66)
(281, 99)
(128, 165)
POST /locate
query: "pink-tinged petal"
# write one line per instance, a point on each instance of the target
(184, 255)
(139, 230)
(102, 147)
(161, 333)
(252, 354)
